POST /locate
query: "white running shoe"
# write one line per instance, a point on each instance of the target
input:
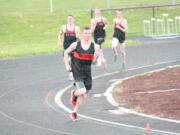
(99, 61)
(70, 78)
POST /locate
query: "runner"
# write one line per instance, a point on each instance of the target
(71, 34)
(98, 26)
(85, 53)
(120, 29)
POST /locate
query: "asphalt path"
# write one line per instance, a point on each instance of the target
(25, 82)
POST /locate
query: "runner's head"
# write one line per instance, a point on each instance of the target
(86, 33)
(97, 12)
(119, 13)
(70, 19)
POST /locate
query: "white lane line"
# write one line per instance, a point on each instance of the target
(125, 125)
(27, 123)
(34, 125)
(58, 99)
(158, 91)
(111, 100)
(98, 95)
(109, 95)
(29, 84)
(65, 108)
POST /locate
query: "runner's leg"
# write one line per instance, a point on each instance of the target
(122, 51)
(80, 102)
(115, 42)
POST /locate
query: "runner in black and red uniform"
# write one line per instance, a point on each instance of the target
(71, 34)
(98, 26)
(85, 53)
(120, 29)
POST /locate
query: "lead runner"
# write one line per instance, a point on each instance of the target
(85, 53)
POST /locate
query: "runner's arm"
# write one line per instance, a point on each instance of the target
(93, 25)
(106, 23)
(96, 53)
(78, 33)
(60, 36)
(125, 29)
(114, 25)
(125, 26)
(66, 55)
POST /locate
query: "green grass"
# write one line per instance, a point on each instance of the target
(43, 5)
(108, 43)
(30, 32)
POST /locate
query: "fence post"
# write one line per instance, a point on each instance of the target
(173, 2)
(91, 13)
(153, 14)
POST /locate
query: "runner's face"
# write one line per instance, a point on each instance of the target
(86, 34)
(70, 20)
(119, 14)
(97, 12)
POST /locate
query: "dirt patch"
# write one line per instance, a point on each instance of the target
(156, 93)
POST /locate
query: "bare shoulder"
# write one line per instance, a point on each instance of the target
(63, 27)
(77, 28)
(114, 20)
(124, 19)
(104, 19)
(96, 46)
(93, 19)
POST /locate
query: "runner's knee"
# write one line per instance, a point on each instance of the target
(122, 48)
(84, 96)
(80, 92)
(114, 43)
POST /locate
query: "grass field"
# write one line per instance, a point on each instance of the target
(30, 29)
(43, 5)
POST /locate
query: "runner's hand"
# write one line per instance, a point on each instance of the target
(68, 68)
(118, 26)
(95, 23)
(60, 44)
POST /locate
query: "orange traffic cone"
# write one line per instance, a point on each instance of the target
(49, 94)
(148, 63)
(148, 127)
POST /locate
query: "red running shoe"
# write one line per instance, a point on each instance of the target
(104, 65)
(73, 98)
(74, 116)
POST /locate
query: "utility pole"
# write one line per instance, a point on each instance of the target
(51, 6)
(108, 4)
(173, 2)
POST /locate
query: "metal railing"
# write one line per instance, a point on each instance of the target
(138, 7)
